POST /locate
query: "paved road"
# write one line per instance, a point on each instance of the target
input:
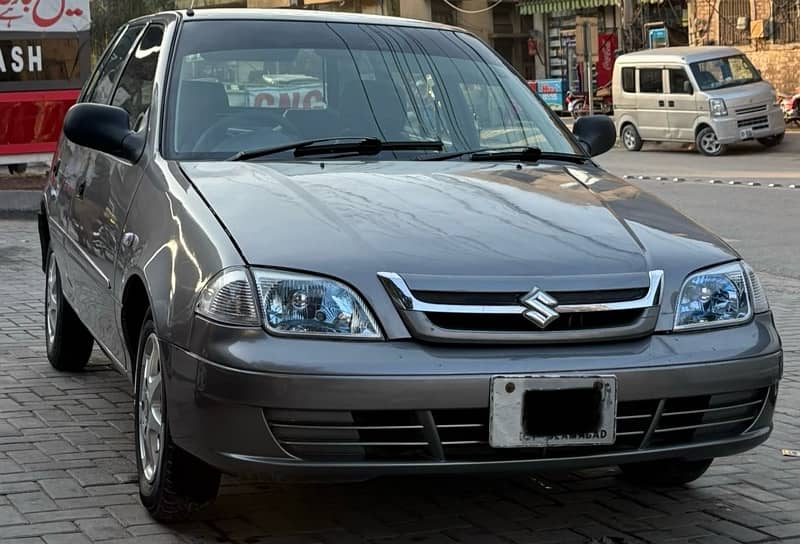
(745, 162)
(67, 471)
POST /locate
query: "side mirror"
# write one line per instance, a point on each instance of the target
(597, 133)
(104, 128)
(687, 87)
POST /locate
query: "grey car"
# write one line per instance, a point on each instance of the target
(329, 246)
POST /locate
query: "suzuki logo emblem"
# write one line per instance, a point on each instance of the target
(541, 307)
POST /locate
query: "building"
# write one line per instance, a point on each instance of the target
(767, 30)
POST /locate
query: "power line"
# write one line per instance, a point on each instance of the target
(472, 11)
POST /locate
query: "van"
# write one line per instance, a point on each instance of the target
(710, 96)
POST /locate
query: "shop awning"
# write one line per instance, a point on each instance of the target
(529, 7)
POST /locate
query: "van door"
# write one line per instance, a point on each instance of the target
(681, 104)
(652, 104)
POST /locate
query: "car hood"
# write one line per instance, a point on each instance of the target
(742, 96)
(449, 219)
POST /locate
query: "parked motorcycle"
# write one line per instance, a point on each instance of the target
(790, 105)
(578, 104)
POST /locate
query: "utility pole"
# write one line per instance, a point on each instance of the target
(587, 65)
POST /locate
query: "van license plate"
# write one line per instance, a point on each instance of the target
(746, 133)
(551, 411)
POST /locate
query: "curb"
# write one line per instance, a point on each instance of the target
(20, 201)
(714, 181)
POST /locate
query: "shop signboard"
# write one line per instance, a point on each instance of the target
(552, 92)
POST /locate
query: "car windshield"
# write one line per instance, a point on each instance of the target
(241, 85)
(724, 72)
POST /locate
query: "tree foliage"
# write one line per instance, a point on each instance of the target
(109, 15)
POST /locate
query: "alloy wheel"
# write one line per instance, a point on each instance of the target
(151, 424)
(628, 139)
(51, 301)
(709, 143)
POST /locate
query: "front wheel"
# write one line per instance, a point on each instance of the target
(771, 141)
(669, 472)
(69, 344)
(631, 139)
(172, 482)
(708, 143)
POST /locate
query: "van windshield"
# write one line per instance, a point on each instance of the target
(248, 84)
(724, 72)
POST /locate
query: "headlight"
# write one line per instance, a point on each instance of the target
(228, 298)
(304, 305)
(720, 296)
(717, 107)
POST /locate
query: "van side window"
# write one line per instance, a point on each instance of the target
(679, 82)
(650, 80)
(629, 80)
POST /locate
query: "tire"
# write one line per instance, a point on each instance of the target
(69, 343)
(630, 138)
(707, 143)
(669, 472)
(772, 141)
(172, 483)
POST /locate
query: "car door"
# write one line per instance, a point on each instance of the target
(681, 104)
(105, 186)
(651, 104)
(70, 161)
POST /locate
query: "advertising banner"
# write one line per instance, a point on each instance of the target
(44, 16)
(552, 91)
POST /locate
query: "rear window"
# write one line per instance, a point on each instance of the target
(650, 80)
(629, 80)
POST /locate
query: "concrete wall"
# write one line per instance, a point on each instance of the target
(415, 9)
(776, 62)
(479, 24)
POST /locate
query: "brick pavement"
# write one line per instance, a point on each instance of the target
(67, 473)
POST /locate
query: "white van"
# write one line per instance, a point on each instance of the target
(712, 96)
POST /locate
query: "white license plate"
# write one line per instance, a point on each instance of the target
(745, 133)
(551, 411)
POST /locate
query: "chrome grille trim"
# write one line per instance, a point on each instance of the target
(405, 299)
(510, 323)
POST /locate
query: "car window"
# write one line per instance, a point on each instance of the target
(629, 80)
(650, 80)
(265, 83)
(679, 81)
(725, 72)
(105, 76)
(135, 90)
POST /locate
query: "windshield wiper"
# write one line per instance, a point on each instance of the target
(326, 146)
(512, 153)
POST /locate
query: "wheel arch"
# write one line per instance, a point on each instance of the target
(136, 302)
(44, 233)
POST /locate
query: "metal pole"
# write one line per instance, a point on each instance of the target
(587, 65)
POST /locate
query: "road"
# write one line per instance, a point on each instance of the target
(67, 468)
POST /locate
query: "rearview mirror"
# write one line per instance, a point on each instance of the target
(103, 128)
(596, 133)
(687, 87)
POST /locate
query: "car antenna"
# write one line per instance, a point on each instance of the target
(190, 11)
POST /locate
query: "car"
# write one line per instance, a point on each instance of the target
(420, 270)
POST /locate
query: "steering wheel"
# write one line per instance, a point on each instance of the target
(217, 132)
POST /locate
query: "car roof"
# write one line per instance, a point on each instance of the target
(258, 14)
(680, 54)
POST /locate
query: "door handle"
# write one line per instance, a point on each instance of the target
(660, 103)
(671, 103)
(80, 189)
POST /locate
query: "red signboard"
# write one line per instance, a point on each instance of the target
(31, 120)
(607, 43)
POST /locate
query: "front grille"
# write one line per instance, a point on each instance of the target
(497, 299)
(754, 122)
(463, 435)
(626, 308)
(751, 109)
(517, 323)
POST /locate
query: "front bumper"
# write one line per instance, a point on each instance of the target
(246, 402)
(728, 129)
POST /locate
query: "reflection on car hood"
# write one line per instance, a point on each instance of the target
(350, 219)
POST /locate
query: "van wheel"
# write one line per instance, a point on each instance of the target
(708, 144)
(668, 472)
(771, 141)
(69, 344)
(172, 483)
(631, 139)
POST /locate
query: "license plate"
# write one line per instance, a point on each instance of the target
(745, 133)
(552, 411)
